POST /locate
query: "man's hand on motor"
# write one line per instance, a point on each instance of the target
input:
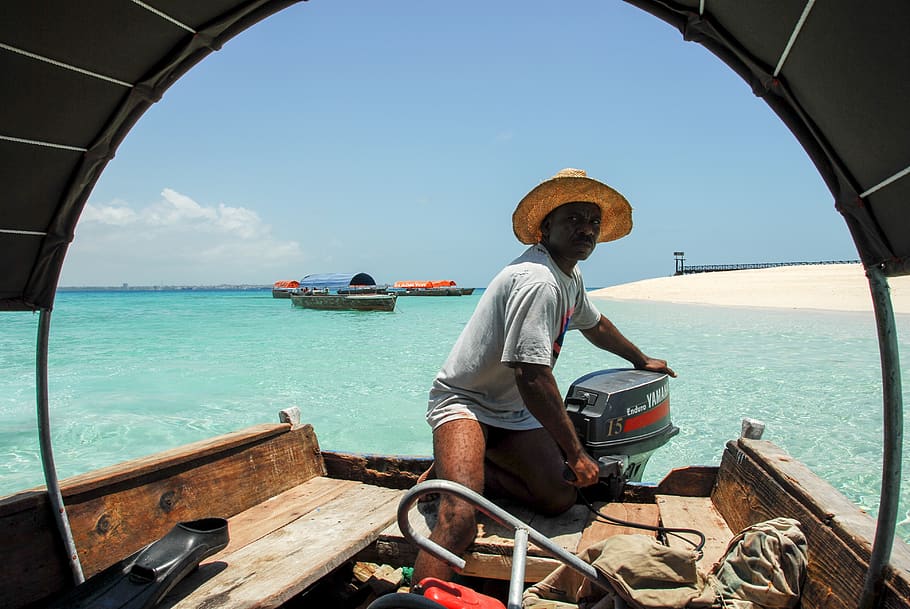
(657, 365)
(584, 471)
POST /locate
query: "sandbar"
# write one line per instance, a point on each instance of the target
(829, 287)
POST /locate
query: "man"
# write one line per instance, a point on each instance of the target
(499, 423)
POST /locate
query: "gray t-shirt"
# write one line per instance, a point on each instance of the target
(522, 317)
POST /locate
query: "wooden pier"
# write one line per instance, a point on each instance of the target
(683, 269)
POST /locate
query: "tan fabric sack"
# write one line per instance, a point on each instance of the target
(642, 572)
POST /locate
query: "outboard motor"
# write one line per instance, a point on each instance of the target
(622, 416)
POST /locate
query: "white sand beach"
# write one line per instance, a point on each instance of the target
(834, 287)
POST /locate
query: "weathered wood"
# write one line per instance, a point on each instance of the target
(563, 530)
(490, 554)
(35, 564)
(691, 481)
(270, 515)
(139, 510)
(598, 530)
(277, 565)
(180, 458)
(497, 566)
(389, 471)
(117, 510)
(700, 514)
(758, 481)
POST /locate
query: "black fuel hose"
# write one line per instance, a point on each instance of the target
(676, 532)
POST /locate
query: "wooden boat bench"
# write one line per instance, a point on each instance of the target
(289, 523)
(280, 547)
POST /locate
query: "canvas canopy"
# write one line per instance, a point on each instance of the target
(80, 74)
(333, 281)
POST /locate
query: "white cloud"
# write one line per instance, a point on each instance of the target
(177, 240)
(175, 208)
(243, 222)
(115, 214)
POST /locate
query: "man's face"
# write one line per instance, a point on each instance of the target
(570, 231)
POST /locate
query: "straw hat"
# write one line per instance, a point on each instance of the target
(571, 186)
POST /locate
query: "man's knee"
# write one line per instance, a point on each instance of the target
(556, 500)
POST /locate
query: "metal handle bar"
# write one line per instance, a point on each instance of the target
(522, 534)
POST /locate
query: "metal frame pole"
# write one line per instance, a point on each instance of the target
(892, 432)
(523, 533)
(47, 451)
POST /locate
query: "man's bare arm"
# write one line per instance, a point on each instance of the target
(608, 337)
(540, 394)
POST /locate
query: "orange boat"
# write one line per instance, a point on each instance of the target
(444, 287)
(283, 289)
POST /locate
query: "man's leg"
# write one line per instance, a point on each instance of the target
(528, 466)
(458, 449)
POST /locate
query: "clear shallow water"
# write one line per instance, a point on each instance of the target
(132, 373)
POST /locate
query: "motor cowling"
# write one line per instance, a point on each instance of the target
(621, 416)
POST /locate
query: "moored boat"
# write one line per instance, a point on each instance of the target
(344, 302)
(284, 288)
(445, 287)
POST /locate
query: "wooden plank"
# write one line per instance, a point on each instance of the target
(180, 457)
(564, 530)
(700, 514)
(74, 486)
(277, 566)
(490, 554)
(690, 481)
(758, 481)
(382, 470)
(137, 510)
(495, 566)
(598, 530)
(492, 537)
(267, 517)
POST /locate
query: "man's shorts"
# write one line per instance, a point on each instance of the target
(444, 407)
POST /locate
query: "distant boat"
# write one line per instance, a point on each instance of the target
(283, 289)
(345, 302)
(445, 287)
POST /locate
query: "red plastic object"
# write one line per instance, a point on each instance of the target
(455, 596)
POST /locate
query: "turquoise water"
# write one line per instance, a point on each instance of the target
(132, 373)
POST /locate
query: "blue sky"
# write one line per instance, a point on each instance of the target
(396, 138)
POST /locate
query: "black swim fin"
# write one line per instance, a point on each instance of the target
(142, 580)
